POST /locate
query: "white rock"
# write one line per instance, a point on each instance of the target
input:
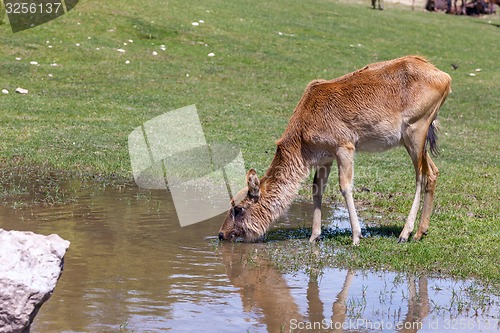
(5, 91)
(30, 266)
(21, 91)
(472, 74)
(121, 50)
(155, 53)
(33, 62)
(195, 24)
(211, 54)
(478, 69)
(127, 62)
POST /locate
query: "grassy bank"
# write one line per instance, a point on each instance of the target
(85, 97)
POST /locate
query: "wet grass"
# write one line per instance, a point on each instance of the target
(75, 120)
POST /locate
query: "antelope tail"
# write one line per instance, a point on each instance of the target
(432, 138)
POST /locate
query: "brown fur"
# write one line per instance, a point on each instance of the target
(378, 107)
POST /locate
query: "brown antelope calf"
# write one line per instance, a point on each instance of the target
(380, 106)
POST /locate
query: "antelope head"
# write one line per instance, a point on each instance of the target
(244, 219)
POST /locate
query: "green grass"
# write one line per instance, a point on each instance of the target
(76, 121)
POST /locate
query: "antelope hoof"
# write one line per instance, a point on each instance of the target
(315, 238)
(418, 235)
(402, 240)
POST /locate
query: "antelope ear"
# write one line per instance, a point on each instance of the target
(253, 183)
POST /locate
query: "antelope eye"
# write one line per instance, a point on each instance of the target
(238, 211)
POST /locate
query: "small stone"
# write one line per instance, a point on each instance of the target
(211, 54)
(34, 63)
(121, 50)
(195, 24)
(155, 53)
(127, 62)
(21, 91)
(5, 91)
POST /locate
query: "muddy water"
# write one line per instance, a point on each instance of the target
(132, 268)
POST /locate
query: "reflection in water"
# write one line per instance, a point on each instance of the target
(132, 268)
(265, 291)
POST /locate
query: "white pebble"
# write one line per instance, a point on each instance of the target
(127, 62)
(211, 54)
(478, 69)
(201, 21)
(33, 63)
(50, 46)
(18, 59)
(130, 41)
(5, 91)
(125, 44)
(195, 24)
(21, 91)
(155, 53)
(89, 38)
(50, 75)
(187, 75)
(121, 50)
(472, 74)
(77, 44)
(53, 64)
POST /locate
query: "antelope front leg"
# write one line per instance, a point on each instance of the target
(320, 180)
(345, 161)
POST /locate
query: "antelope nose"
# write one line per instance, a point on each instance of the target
(221, 236)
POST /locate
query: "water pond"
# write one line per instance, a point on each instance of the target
(132, 268)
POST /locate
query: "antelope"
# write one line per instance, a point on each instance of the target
(380, 106)
(380, 4)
